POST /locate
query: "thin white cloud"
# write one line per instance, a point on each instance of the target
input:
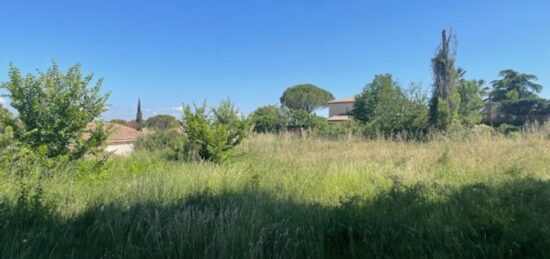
(2, 101)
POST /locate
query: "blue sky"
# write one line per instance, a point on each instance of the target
(173, 52)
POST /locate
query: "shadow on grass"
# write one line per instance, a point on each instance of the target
(508, 220)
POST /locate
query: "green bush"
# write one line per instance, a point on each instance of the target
(6, 120)
(307, 120)
(525, 107)
(21, 160)
(213, 136)
(387, 110)
(517, 112)
(162, 122)
(269, 118)
(54, 111)
(471, 102)
(340, 130)
(161, 141)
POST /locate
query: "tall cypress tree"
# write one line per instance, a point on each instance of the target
(139, 116)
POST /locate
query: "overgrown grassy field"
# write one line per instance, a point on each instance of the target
(286, 197)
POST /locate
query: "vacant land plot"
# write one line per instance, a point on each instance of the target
(285, 197)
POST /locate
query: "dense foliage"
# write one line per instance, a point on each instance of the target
(54, 110)
(162, 122)
(6, 136)
(269, 118)
(166, 140)
(514, 86)
(305, 120)
(526, 107)
(305, 97)
(340, 130)
(445, 101)
(213, 136)
(384, 108)
(6, 119)
(471, 101)
(518, 112)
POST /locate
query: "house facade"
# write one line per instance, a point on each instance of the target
(339, 109)
(121, 139)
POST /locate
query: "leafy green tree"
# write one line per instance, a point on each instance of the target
(162, 122)
(381, 91)
(226, 113)
(383, 107)
(514, 86)
(212, 137)
(302, 118)
(471, 101)
(305, 97)
(445, 100)
(54, 110)
(269, 118)
(139, 117)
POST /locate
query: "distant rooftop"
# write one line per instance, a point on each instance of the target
(117, 133)
(343, 100)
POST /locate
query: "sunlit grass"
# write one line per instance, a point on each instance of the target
(286, 197)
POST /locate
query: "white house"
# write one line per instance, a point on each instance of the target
(339, 109)
(120, 139)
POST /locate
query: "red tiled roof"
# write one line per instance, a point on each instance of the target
(119, 133)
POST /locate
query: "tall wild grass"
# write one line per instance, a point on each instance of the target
(477, 195)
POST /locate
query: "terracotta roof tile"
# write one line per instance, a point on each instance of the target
(119, 133)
